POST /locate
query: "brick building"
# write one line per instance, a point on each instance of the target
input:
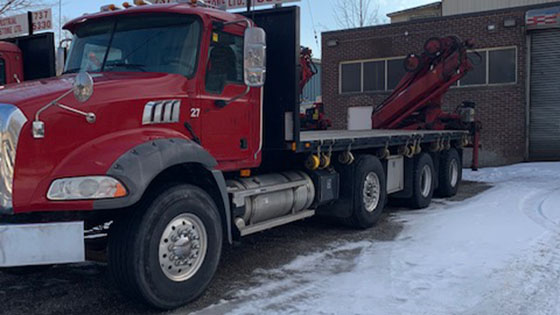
(514, 83)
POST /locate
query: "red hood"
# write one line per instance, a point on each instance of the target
(72, 146)
(109, 87)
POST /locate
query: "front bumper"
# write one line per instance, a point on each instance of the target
(41, 244)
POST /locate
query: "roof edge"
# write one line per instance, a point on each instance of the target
(425, 6)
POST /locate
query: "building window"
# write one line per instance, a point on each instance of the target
(351, 78)
(477, 76)
(491, 67)
(371, 75)
(374, 76)
(502, 66)
(395, 72)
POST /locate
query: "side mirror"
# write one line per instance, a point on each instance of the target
(254, 57)
(83, 87)
(60, 60)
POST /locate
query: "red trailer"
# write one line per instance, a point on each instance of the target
(165, 127)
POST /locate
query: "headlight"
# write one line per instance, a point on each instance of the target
(86, 188)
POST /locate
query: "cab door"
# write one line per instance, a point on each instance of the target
(229, 121)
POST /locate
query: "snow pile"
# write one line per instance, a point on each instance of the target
(497, 253)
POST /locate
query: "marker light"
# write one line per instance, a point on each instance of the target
(141, 2)
(109, 7)
(86, 188)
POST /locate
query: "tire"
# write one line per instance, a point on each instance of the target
(370, 194)
(450, 174)
(423, 182)
(141, 263)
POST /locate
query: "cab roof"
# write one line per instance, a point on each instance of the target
(179, 8)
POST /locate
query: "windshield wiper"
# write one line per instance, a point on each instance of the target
(127, 66)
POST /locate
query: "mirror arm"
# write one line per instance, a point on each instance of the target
(90, 117)
(54, 102)
(222, 103)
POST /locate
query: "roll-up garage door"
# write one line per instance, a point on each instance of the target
(544, 138)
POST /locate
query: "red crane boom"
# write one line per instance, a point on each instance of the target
(416, 102)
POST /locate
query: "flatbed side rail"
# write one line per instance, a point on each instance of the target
(347, 140)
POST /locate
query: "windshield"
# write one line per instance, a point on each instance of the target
(165, 43)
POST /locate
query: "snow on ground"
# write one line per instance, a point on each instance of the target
(497, 253)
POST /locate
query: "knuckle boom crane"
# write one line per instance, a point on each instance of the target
(416, 102)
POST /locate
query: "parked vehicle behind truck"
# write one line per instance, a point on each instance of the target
(27, 58)
(179, 123)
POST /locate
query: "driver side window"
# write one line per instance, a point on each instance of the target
(225, 61)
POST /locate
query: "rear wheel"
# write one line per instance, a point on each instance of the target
(370, 193)
(450, 174)
(423, 181)
(167, 253)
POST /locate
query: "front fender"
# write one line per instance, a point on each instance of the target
(138, 167)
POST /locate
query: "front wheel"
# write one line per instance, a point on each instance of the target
(166, 253)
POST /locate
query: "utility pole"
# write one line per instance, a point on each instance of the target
(59, 20)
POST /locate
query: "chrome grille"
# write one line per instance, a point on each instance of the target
(11, 123)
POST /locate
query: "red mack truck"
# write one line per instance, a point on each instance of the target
(179, 124)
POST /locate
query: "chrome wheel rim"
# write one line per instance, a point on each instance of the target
(371, 192)
(454, 173)
(426, 181)
(182, 247)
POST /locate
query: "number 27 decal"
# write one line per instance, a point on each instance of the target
(195, 112)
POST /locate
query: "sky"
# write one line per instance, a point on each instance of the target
(320, 11)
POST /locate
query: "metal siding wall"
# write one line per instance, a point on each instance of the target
(313, 88)
(451, 7)
(544, 130)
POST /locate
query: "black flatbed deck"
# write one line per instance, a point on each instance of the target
(367, 139)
